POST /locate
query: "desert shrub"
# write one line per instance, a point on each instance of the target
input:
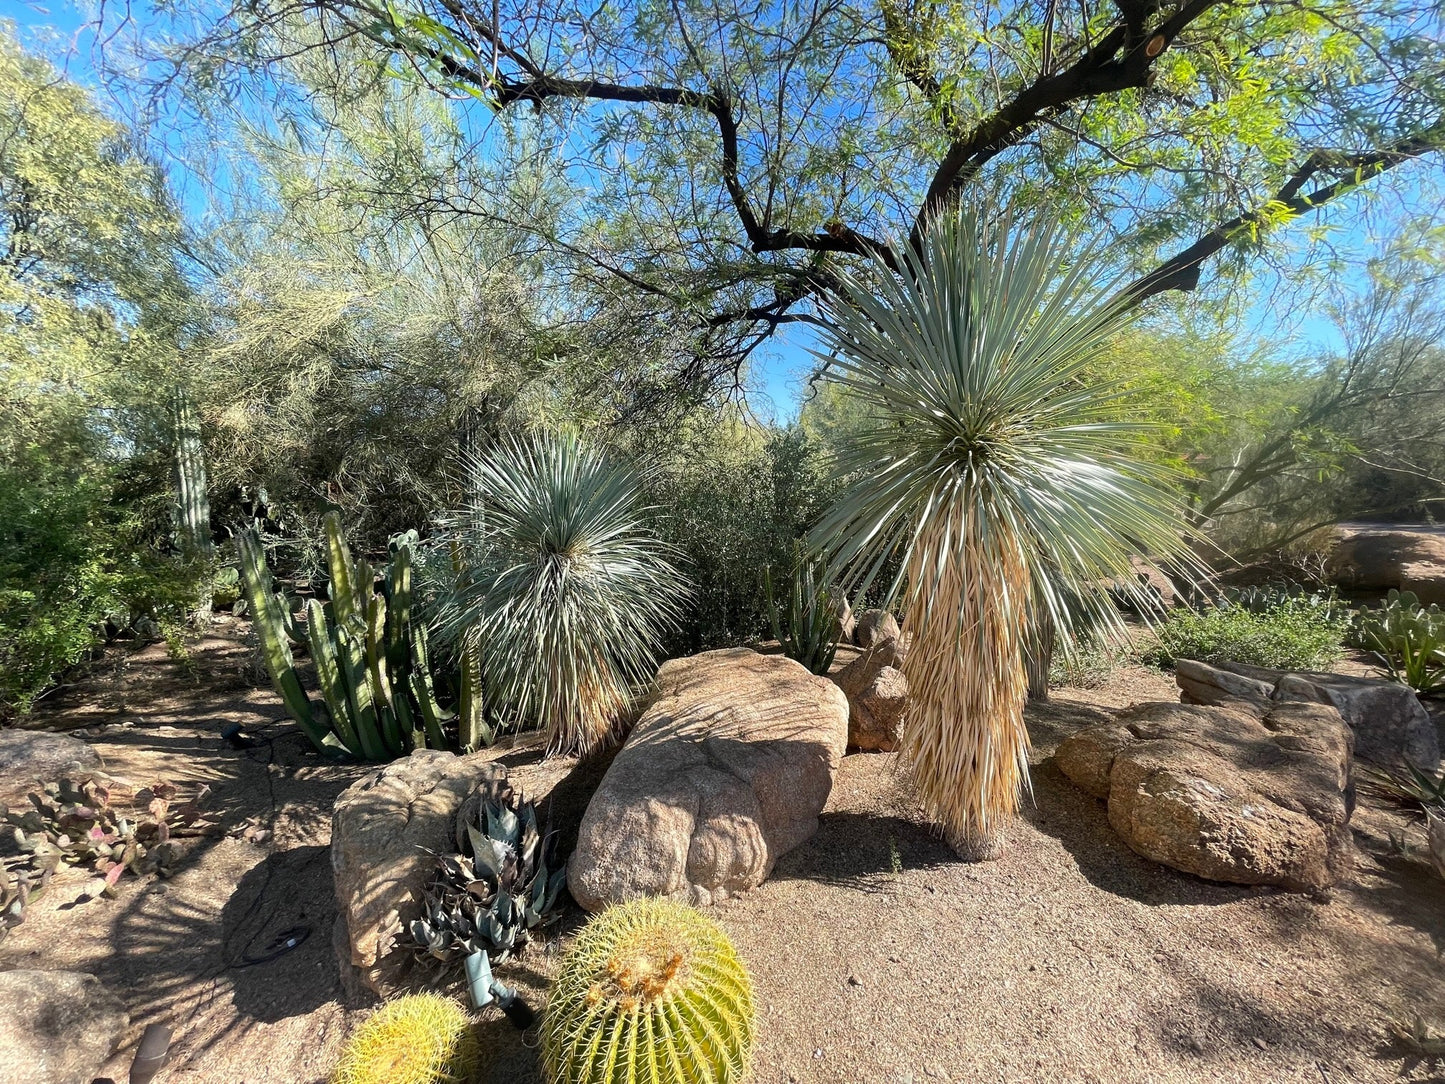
(1297, 633)
(1089, 664)
(738, 498)
(805, 619)
(80, 560)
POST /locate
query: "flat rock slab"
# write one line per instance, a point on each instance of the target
(1390, 725)
(379, 827)
(56, 1027)
(1225, 792)
(727, 770)
(32, 757)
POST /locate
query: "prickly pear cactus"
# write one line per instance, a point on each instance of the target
(651, 992)
(418, 1039)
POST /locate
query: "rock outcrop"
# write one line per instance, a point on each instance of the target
(31, 757)
(1236, 791)
(1390, 725)
(727, 770)
(379, 827)
(875, 626)
(56, 1027)
(1378, 559)
(877, 692)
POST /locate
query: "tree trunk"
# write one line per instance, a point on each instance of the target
(1039, 656)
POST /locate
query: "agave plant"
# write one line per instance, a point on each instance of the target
(492, 893)
(999, 472)
(562, 583)
(807, 624)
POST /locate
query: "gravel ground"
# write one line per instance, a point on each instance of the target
(877, 956)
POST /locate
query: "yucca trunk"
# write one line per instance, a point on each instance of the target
(964, 737)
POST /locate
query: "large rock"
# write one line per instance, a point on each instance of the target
(875, 626)
(877, 693)
(379, 827)
(1390, 725)
(1379, 559)
(56, 1027)
(30, 757)
(1225, 792)
(727, 770)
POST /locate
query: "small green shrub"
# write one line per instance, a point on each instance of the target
(81, 560)
(1089, 665)
(1298, 633)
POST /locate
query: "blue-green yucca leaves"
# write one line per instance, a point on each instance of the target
(973, 364)
(563, 584)
(999, 473)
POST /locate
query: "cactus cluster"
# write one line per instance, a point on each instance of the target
(495, 890)
(1407, 638)
(651, 991)
(418, 1039)
(95, 822)
(371, 657)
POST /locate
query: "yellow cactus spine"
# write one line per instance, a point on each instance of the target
(651, 992)
(418, 1039)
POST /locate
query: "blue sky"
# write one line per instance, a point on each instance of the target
(780, 367)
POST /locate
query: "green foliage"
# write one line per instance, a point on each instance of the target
(1298, 633)
(96, 823)
(740, 497)
(1421, 791)
(79, 560)
(495, 890)
(651, 992)
(372, 661)
(807, 624)
(90, 303)
(562, 582)
(1407, 638)
(417, 1039)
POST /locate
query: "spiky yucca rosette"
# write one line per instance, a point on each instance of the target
(651, 992)
(418, 1039)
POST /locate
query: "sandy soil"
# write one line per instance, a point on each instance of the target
(877, 956)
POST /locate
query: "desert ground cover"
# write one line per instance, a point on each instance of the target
(876, 953)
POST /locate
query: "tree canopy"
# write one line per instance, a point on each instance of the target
(732, 153)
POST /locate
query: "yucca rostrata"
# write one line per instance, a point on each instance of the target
(651, 992)
(417, 1039)
(998, 471)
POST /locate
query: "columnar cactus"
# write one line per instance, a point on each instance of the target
(418, 1039)
(371, 659)
(651, 992)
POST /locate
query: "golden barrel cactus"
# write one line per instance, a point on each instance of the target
(418, 1039)
(651, 992)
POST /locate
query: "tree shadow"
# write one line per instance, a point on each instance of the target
(852, 850)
